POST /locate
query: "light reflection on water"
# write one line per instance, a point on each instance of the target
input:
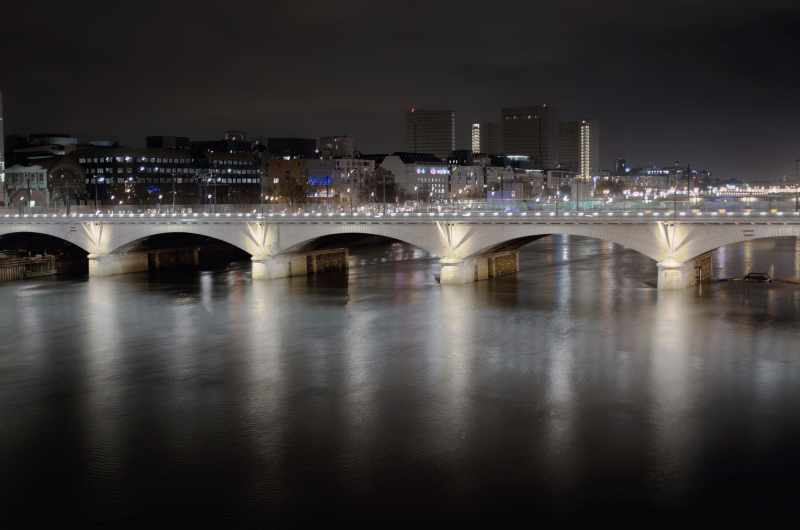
(569, 390)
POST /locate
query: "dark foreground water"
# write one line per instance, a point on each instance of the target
(572, 392)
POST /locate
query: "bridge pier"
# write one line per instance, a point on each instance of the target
(673, 274)
(110, 264)
(300, 264)
(479, 267)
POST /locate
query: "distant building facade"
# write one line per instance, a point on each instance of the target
(491, 139)
(579, 147)
(232, 134)
(338, 177)
(590, 148)
(533, 132)
(287, 178)
(431, 132)
(460, 157)
(336, 146)
(467, 181)
(428, 173)
(289, 148)
(569, 145)
(139, 176)
(39, 182)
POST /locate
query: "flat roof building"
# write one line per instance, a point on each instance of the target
(431, 131)
(491, 139)
(533, 132)
(289, 148)
(336, 146)
(52, 139)
(428, 173)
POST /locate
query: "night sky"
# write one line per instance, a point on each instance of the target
(715, 84)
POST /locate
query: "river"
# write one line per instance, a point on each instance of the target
(573, 392)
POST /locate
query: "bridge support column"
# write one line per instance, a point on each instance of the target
(673, 274)
(110, 264)
(479, 268)
(300, 264)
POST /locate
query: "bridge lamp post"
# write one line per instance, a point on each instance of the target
(159, 203)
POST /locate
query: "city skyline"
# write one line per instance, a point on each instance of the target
(667, 83)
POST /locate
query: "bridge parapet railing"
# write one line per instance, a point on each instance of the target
(760, 207)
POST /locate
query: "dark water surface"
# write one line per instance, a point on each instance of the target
(572, 392)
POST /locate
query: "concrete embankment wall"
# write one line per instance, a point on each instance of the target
(10, 273)
(21, 268)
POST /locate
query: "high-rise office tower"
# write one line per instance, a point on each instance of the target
(532, 132)
(431, 131)
(590, 148)
(476, 137)
(579, 147)
(569, 145)
(491, 140)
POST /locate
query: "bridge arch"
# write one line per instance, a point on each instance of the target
(244, 237)
(78, 238)
(698, 247)
(644, 239)
(295, 238)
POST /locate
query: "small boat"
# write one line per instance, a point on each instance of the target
(757, 277)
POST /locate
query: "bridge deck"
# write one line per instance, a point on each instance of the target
(402, 218)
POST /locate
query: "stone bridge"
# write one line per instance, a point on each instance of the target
(471, 246)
